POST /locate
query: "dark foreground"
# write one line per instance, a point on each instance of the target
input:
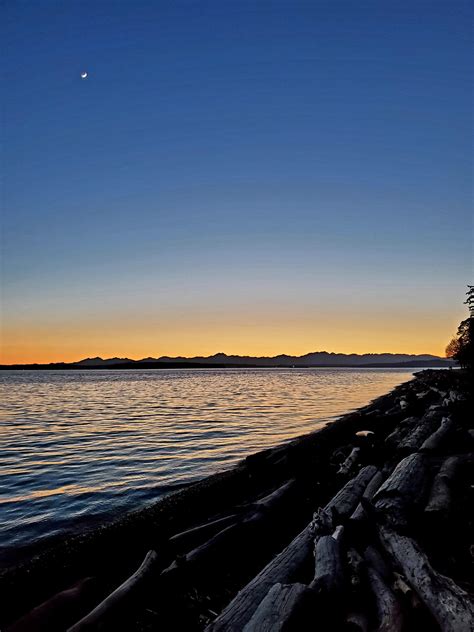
(341, 529)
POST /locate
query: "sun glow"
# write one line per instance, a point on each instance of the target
(201, 333)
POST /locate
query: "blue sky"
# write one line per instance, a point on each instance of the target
(227, 158)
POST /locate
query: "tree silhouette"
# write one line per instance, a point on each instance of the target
(461, 348)
(470, 300)
(452, 349)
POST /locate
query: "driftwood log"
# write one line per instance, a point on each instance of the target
(400, 587)
(402, 402)
(373, 557)
(399, 433)
(414, 439)
(388, 608)
(289, 606)
(285, 607)
(397, 498)
(284, 568)
(356, 622)
(348, 465)
(186, 540)
(355, 570)
(122, 599)
(356, 617)
(436, 440)
(329, 580)
(451, 607)
(440, 497)
(347, 499)
(359, 515)
(247, 526)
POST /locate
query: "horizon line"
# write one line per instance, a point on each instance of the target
(228, 355)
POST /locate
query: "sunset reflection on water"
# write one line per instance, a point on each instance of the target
(77, 447)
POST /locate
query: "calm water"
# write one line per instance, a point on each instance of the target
(78, 447)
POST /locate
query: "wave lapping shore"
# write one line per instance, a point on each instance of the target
(363, 525)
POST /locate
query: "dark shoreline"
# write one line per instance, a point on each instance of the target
(112, 551)
(147, 366)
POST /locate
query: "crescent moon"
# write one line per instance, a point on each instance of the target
(84, 75)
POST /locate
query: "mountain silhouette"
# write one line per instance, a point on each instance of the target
(316, 359)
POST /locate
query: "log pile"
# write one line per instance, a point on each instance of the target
(366, 525)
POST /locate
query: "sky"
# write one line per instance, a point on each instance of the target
(240, 177)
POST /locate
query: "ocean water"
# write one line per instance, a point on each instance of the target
(78, 447)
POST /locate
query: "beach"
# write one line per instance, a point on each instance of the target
(243, 519)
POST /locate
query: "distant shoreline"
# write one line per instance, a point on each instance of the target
(312, 359)
(142, 366)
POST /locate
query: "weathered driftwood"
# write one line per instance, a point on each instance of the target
(338, 534)
(122, 599)
(373, 557)
(400, 431)
(283, 608)
(437, 439)
(388, 608)
(421, 431)
(440, 497)
(409, 470)
(398, 497)
(60, 611)
(329, 580)
(259, 514)
(347, 499)
(452, 397)
(186, 540)
(451, 607)
(355, 564)
(399, 585)
(355, 599)
(356, 622)
(438, 391)
(348, 465)
(205, 538)
(284, 568)
(365, 434)
(272, 500)
(359, 513)
(393, 412)
(338, 456)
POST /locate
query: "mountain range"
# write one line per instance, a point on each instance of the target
(317, 358)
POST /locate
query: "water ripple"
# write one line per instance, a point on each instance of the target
(77, 446)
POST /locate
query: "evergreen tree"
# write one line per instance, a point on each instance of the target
(461, 348)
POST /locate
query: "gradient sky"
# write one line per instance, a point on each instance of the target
(253, 178)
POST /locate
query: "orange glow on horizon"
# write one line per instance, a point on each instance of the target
(260, 335)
